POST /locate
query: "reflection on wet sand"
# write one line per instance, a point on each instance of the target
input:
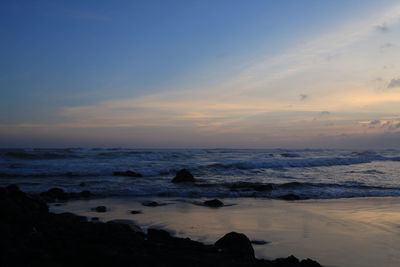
(343, 232)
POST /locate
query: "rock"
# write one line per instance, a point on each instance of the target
(215, 203)
(69, 217)
(100, 209)
(309, 263)
(293, 261)
(290, 197)
(13, 189)
(289, 261)
(16, 206)
(264, 187)
(152, 204)
(57, 193)
(130, 223)
(183, 176)
(259, 242)
(86, 194)
(128, 173)
(135, 212)
(158, 235)
(236, 244)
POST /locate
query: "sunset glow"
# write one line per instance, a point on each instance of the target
(334, 81)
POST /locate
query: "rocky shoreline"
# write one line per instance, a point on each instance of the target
(33, 236)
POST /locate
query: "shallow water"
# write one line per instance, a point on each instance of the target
(356, 232)
(317, 174)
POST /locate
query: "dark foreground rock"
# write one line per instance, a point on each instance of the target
(58, 194)
(153, 203)
(32, 236)
(259, 242)
(100, 209)
(214, 203)
(236, 244)
(135, 212)
(183, 176)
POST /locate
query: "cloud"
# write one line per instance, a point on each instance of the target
(303, 97)
(394, 126)
(261, 102)
(394, 83)
(324, 113)
(386, 46)
(388, 125)
(382, 27)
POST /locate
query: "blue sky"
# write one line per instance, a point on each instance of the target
(200, 73)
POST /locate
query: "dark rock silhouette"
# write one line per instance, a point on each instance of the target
(135, 212)
(183, 176)
(236, 244)
(100, 209)
(153, 204)
(57, 194)
(259, 242)
(215, 203)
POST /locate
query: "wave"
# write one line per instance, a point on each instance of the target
(48, 175)
(302, 190)
(39, 155)
(302, 162)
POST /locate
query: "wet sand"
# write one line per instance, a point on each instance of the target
(344, 232)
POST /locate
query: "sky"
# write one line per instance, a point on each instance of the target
(200, 74)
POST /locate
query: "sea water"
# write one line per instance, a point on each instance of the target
(308, 173)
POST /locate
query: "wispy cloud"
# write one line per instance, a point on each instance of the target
(324, 113)
(394, 83)
(303, 97)
(390, 124)
(262, 101)
(384, 47)
(263, 87)
(382, 27)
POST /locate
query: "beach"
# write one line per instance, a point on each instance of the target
(351, 232)
(338, 207)
(33, 236)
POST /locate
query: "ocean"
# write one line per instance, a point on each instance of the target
(219, 173)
